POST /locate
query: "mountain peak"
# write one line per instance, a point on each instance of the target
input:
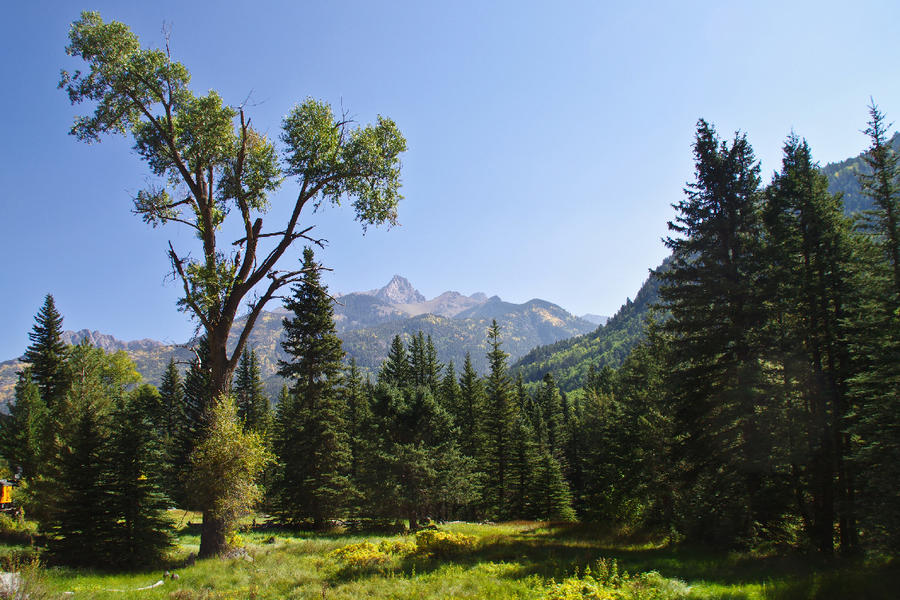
(399, 291)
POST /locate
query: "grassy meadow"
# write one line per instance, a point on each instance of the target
(465, 560)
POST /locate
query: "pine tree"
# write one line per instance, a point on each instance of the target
(712, 294)
(250, 394)
(195, 404)
(47, 354)
(22, 429)
(471, 409)
(358, 419)
(876, 344)
(808, 258)
(135, 502)
(311, 442)
(497, 423)
(171, 392)
(395, 369)
(523, 467)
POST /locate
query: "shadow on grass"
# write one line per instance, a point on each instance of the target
(557, 551)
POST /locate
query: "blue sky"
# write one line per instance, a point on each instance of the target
(547, 141)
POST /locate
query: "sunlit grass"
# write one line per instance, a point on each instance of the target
(506, 560)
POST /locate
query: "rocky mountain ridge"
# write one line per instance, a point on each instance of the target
(366, 322)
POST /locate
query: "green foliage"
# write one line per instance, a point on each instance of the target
(311, 437)
(47, 354)
(250, 394)
(23, 429)
(497, 422)
(225, 465)
(571, 360)
(443, 544)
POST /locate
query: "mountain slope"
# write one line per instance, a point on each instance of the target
(570, 360)
(366, 322)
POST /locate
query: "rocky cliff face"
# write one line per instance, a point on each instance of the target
(366, 322)
(398, 291)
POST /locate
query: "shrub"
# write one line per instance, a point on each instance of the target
(361, 555)
(442, 544)
(399, 547)
(607, 583)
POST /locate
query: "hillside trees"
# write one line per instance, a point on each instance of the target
(219, 165)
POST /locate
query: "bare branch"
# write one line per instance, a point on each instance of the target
(178, 266)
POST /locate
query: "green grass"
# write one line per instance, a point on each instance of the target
(509, 560)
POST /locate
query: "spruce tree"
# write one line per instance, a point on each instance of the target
(497, 423)
(712, 293)
(395, 369)
(876, 344)
(47, 354)
(250, 393)
(471, 408)
(312, 442)
(808, 289)
(195, 405)
(22, 429)
(134, 483)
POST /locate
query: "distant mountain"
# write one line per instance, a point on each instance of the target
(367, 321)
(570, 360)
(595, 319)
(522, 327)
(398, 291)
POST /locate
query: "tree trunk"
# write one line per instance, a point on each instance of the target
(212, 536)
(212, 532)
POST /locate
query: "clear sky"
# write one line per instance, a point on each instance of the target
(547, 141)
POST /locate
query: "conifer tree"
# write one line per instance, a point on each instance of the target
(450, 393)
(22, 429)
(808, 250)
(311, 442)
(250, 393)
(395, 369)
(135, 501)
(497, 422)
(47, 354)
(196, 403)
(171, 392)
(471, 409)
(712, 294)
(358, 419)
(876, 344)
(523, 466)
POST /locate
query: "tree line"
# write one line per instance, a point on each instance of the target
(761, 408)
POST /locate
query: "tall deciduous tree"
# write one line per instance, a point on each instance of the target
(218, 165)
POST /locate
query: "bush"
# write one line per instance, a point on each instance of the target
(607, 583)
(398, 547)
(361, 555)
(442, 544)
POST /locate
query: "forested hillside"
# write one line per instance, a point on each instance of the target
(571, 360)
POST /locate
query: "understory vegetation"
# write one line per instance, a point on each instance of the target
(523, 559)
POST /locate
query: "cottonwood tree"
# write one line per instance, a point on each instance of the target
(211, 163)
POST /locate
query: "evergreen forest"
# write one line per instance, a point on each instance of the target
(744, 403)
